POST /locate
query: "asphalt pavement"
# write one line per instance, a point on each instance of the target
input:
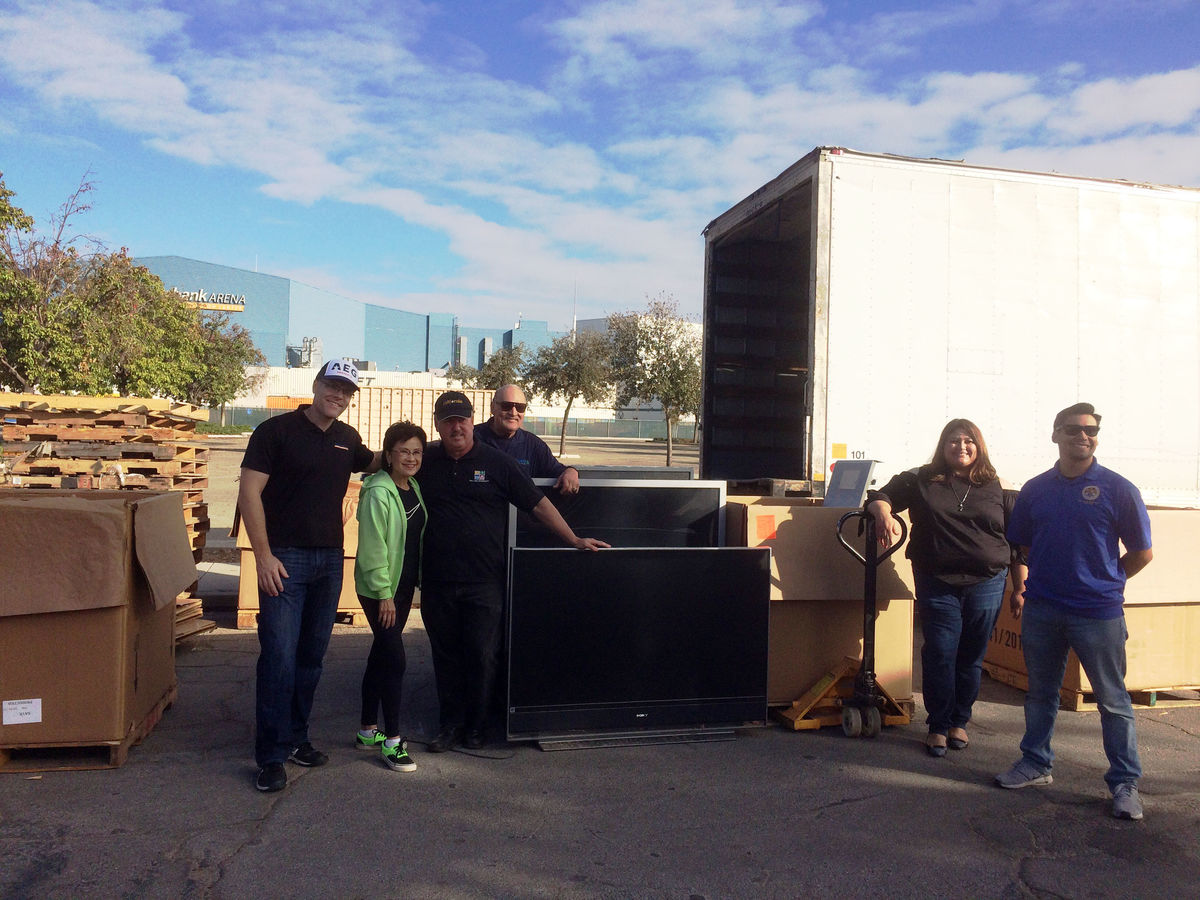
(772, 813)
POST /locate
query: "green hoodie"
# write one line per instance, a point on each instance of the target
(382, 528)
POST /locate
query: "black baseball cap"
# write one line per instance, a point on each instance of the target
(453, 405)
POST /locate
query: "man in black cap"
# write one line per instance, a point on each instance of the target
(293, 480)
(467, 487)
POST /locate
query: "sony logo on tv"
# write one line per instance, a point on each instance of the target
(203, 299)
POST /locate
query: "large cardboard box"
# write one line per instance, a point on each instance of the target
(817, 589)
(87, 613)
(1162, 614)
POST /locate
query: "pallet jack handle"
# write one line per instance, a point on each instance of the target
(866, 694)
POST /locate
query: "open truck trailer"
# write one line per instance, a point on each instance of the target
(857, 302)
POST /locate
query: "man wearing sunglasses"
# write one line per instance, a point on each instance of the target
(504, 432)
(1069, 520)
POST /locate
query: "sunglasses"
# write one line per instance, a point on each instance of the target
(1076, 430)
(510, 405)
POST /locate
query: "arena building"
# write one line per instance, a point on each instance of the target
(290, 321)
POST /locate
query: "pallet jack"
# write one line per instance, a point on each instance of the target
(848, 693)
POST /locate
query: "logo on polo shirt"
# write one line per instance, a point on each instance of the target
(1091, 493)
(480, 477)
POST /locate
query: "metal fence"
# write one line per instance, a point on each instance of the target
(644, 429)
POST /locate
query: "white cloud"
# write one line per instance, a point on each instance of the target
(1110, 106)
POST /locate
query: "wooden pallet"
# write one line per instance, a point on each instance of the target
(68, 403)
(822, 704)
(1085, 701)
(78, 756)
(116, 434)
(106, 450)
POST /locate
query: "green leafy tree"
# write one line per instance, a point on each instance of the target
(505, 366)
(97, 323)
(656, 356)
(573, 366)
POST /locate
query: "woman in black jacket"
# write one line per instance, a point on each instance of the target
(960, 558)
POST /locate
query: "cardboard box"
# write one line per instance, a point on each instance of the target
(817, 588)
(1162, 614)
(810, 637)
(87, 613)
(807, 562)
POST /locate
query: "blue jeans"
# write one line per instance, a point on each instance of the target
(956, 622)
(1046, 632)
(293, 633)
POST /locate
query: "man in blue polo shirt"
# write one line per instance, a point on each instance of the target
(504, 432)
(1070, 520)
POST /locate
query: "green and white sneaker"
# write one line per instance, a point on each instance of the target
(396, 758)
(369, 740)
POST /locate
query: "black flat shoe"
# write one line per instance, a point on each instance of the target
(935, 744)
(957, 739)
(447, 739)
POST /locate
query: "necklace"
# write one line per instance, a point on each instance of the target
(963, 499)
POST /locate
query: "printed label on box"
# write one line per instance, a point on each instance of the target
(22, 712)
(764, 528)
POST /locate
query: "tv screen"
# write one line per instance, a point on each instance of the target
(636, 639)
(631, 513)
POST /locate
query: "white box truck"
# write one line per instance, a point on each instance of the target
(859, 301)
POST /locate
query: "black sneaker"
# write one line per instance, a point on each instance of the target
(474, 739)
(308, 755)
(271, 778)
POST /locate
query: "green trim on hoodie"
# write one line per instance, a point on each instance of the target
(382, 530)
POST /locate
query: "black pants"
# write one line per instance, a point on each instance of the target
(383, 681)
(463, 621)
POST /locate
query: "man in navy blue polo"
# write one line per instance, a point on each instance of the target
(504, 432)
(1070, 520)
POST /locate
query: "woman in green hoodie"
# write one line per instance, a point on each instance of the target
(391, 523)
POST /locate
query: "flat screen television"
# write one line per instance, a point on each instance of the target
(636, 639)
(631, 513)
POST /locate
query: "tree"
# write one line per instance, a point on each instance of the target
(505, 366)
(97, 323)
(573, 366)
(656, 356)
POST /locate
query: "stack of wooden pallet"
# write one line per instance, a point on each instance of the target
(111, 443)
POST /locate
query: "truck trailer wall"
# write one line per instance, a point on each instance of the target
(1004, 297)
(939, 290)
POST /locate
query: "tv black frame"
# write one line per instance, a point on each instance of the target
(588, 490)
(619, 647)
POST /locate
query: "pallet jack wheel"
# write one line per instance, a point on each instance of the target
(872, 722)
(852, 722)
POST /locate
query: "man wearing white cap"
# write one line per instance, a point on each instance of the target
(294, 477)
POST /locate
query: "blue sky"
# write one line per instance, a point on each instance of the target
(492, 158)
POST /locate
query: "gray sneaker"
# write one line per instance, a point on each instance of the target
(1126, 802)
(1023, 774)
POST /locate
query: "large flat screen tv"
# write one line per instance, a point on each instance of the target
(631, 513)
(636, 639)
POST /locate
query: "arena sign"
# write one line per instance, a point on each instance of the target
(202, 299)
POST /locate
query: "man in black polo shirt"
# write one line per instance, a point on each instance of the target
(293, 480)
(467, 488)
